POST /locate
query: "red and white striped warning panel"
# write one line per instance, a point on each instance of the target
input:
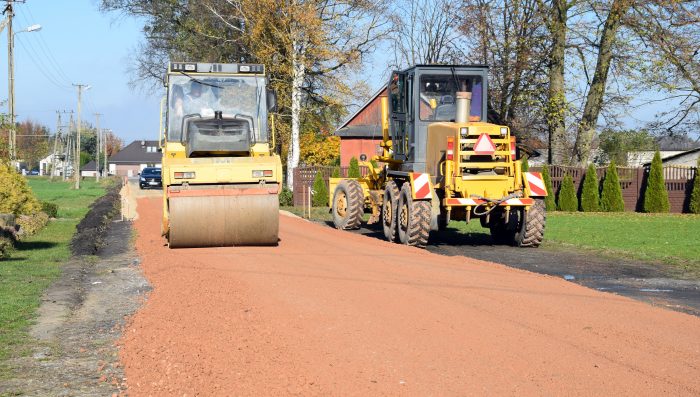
(421, 186)
(513, 152)
(484, 145)
(469, 201)
(536, 184)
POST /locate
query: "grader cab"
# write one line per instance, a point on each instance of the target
(442, 160)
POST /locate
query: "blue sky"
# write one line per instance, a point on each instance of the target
(77, 44)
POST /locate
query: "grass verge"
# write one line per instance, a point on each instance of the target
(36, 261)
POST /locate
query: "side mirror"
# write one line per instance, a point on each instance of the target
(271, 101)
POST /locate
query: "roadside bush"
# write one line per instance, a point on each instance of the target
(286, 197)
(567, 200)
(29, 225)
(695, 195)
(7, 242)
(611, 199)
(15, 195)
(524, 165)
(354, 170)
(590, 197)
(50, 209)
(320, 196)
(656, 196)
(549, 201)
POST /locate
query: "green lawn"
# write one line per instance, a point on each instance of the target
(36, 261)
(669, 238)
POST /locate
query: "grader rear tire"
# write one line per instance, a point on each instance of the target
(348, 205)
(532, 226)
(389, 206)
(413, 219)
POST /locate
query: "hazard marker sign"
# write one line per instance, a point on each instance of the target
(484, 145)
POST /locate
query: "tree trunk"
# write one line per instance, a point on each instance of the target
(556, 108)
(298, 73)
(596, 92)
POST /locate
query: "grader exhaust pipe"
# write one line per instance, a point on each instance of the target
(464, 101)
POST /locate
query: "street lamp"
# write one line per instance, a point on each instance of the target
(11, 78)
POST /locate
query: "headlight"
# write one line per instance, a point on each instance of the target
(504, 131)
(142, 179)
(262, 173)
(183, 175)
(464, 131)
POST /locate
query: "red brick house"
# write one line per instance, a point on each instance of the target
(361, 133)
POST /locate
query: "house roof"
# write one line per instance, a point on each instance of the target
(360, 109)
(676, 156)
(136, 153)
(90, 166)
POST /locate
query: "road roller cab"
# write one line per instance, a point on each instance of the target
(221, 178)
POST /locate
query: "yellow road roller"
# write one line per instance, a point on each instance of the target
(221, 177)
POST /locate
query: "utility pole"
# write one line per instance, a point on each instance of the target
(55, 145)
(11, 79)
(69, 148)
(77, 138)
(104, 143)
(97, 147)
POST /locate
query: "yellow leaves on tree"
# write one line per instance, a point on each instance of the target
(319, 150)
(15, 195)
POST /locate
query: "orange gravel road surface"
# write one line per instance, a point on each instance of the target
(335, 313)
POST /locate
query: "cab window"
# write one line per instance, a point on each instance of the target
(438, 94)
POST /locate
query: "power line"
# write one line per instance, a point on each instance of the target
(45, 47)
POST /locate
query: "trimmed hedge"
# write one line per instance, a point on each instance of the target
(590, 198)
(611, 199)
(320, 196)
(549, 201)
(567, 200)
(656, 196)
(695, 195)
(354, 170)
(286, 197)
(524, 165)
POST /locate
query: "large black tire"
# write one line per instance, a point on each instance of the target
(412, 218)
(532, 225)
(348, 205)
(389, 206)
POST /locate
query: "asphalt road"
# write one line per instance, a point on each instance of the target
(652, 283)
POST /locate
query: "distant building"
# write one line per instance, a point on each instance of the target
(688, 158)
(45, 165)
(641, 157)
(361, 134)
(135, 157)
(89, 169)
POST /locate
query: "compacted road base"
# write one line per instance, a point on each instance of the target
(335, 313)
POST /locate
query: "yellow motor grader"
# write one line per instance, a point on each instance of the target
(440, 161)
(221, 177)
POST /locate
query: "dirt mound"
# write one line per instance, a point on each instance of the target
(91, 230)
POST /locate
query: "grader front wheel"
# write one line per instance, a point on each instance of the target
(389, 206)
(532, 225)
(413, 219)
(348, 205)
